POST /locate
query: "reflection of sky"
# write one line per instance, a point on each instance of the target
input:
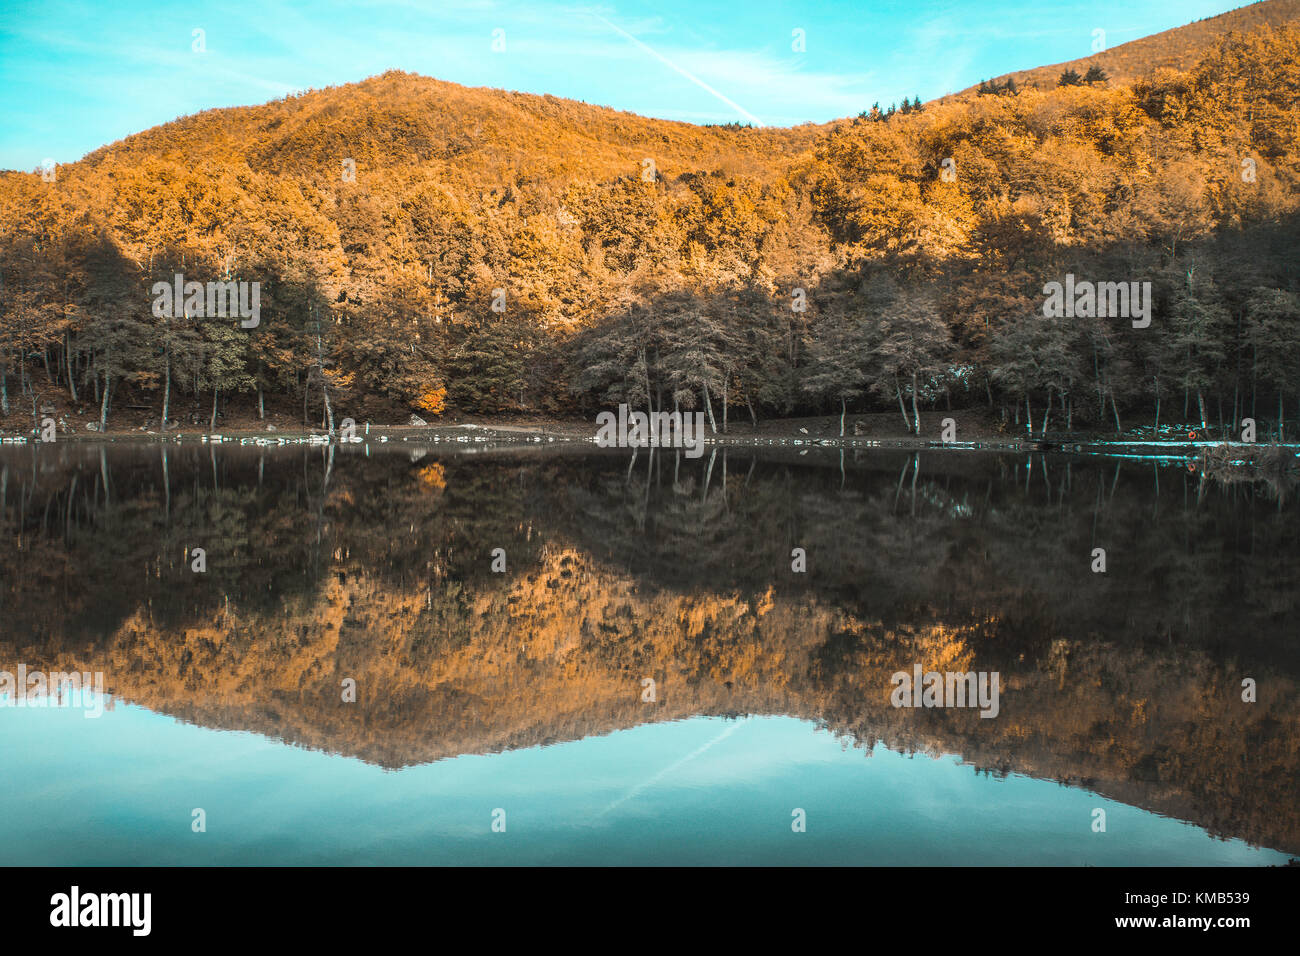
(120, 790)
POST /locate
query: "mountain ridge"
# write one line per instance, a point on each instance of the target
(465, 242)
(1175, 48)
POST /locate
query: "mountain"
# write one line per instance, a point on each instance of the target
(402, 119)
(419, 246)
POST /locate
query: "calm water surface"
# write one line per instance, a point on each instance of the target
(507, 716)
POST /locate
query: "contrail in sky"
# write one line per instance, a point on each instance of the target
(677, 69)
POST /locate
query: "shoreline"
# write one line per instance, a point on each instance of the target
(582, 433)
(970, 429)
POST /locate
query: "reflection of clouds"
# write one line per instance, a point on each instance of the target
(675, 766)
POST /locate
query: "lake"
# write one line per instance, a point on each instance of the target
(413, 654)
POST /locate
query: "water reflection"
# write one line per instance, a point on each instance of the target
(375, 565)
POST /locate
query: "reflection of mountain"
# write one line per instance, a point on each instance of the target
(384, 577)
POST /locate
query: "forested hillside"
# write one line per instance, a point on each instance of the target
(420, 246)
(1180, 48)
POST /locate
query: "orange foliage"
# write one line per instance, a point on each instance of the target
(432, 399)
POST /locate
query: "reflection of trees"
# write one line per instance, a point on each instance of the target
(987, 537)
(910, 539)
(378, 568)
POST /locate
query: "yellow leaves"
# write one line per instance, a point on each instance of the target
(432, 399)
(948, 219)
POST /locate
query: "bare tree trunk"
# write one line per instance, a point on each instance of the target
(843, 410)
(167, 392)
(67, 355)
(898, 390)
(708, 406)
(324, 383)
(1101, 391)
(916, 415)
(645, 366)
(216, 390)
(103, 405)
(726, 383)
(329, 409)
(1254, 381)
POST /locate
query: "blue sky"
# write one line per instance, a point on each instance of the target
(77, 75)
